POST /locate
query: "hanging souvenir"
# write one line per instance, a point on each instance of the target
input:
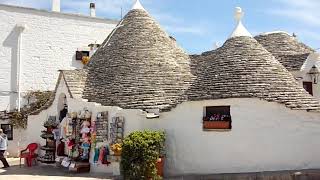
(96, 155)
(85, 129)
(85, 146)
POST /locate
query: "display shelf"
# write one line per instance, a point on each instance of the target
(46, 161)
(47, 136)
(47, 148)
(117, 129)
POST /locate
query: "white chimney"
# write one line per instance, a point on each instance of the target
(92, 10)
(56, 5)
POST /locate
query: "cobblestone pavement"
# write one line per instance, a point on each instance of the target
(41, 172)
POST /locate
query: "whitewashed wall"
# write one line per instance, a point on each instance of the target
(49, 43)
(265, 136)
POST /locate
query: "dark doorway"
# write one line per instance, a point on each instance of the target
(308, 87)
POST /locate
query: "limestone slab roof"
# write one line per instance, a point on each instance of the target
(286, 48)
(75, 81)
(138, 67)
(244, 68)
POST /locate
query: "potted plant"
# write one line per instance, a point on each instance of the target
(117, 149)
(142, 155)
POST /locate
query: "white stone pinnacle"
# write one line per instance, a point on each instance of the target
(240, 30)
(138, 5)
(238, 14)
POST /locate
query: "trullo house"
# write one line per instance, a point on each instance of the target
(234, 109)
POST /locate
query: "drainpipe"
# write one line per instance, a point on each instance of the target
(21, 28)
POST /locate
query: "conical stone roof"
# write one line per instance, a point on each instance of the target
(138, 67)
(244, 68)
(286, 48)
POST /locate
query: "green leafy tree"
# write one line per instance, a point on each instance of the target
(140, 152)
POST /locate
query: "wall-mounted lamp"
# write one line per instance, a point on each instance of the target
(314, 74)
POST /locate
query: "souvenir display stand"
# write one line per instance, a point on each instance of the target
(99, 138)
(49, 136)
(85, 143)
(107, 140)
(75, 134)
(117, 130)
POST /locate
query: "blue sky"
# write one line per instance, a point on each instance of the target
(199, 24)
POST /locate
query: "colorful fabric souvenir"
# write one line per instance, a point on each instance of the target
(85, 146)
(85, 129)
(101, 154)
(105, 157)
(60, 149)
(96, 155)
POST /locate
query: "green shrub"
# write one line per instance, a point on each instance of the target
(140, 152)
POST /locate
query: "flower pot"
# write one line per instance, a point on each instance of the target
(216, 124)
(160, 166)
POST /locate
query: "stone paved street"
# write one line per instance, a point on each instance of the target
(44, 173)
(51, 173)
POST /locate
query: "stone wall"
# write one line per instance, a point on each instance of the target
(48, 44)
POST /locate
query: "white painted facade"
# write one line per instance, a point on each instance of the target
(265, 136)
(303, 75)
(48, 44)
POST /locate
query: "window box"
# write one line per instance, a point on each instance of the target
(217, 118)
(216, 124)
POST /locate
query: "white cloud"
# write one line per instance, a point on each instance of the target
(305, 11)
